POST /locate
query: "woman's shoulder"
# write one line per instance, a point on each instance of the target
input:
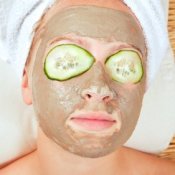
(153, 164)
(25, 165)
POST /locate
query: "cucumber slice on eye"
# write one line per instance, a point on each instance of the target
(125, 67)
(67, 61)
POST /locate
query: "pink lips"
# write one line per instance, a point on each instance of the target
(93, 121)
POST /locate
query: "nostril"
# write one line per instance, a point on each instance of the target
(106, 98)
(88, 96)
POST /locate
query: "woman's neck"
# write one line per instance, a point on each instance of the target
(55, 160)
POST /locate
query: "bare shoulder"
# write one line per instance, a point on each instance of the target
(26, 165)
(165, 166)
(152, 164)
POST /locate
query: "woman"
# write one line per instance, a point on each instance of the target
(86, 75)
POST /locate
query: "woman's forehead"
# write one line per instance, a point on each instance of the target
(96, 22)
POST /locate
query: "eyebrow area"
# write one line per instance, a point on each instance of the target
(84, 42)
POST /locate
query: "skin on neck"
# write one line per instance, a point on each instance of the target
(53, 159)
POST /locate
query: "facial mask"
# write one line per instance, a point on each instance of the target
(95, 22)
(61, 105)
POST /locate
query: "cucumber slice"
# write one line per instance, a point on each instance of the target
(125, 66)
(67, 61)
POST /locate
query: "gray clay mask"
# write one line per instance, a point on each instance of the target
(97, 22)
(92, 93)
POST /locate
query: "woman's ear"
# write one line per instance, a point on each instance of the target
(26, 91)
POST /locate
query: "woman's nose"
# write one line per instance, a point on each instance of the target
(98, 88)
(104, 94)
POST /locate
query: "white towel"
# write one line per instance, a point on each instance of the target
(18, 18)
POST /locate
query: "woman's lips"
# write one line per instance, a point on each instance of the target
(91, 121)
(93, 124)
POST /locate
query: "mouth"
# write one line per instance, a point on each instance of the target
(92, 121)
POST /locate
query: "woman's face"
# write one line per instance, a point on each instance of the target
(90, 114)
